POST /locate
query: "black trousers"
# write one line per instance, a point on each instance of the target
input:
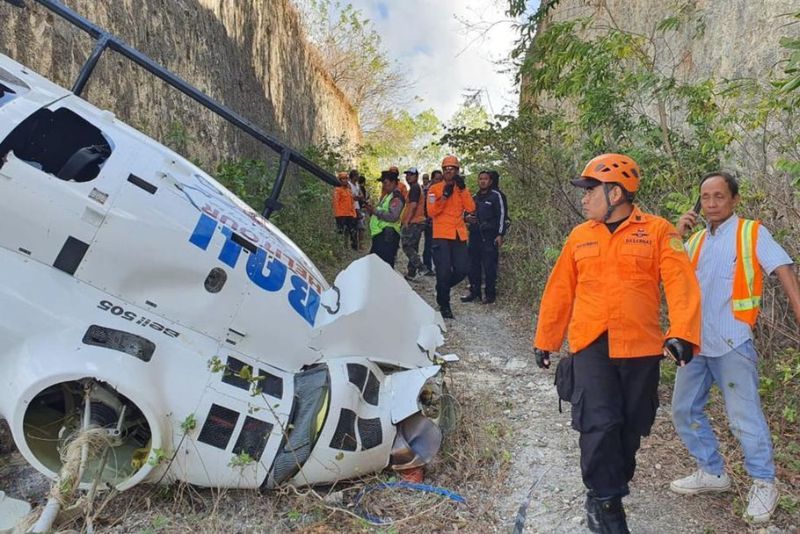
(452, 265)
(385, 245)
(613, 405)
(427, 256)
(348, 226)
(483, 257)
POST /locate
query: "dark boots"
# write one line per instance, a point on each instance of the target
(470, 297)
(606, 516)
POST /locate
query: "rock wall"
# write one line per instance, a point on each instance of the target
(251, 55)
(727, 39)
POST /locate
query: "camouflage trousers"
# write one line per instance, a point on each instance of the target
(410, 235)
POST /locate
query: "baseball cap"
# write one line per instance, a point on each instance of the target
(411, 170)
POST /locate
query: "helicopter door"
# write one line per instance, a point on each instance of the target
(60, 170)
(241, 423)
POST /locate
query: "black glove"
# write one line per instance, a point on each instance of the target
(542, 358)
(680, 350)
(459, 180)
(448, 190)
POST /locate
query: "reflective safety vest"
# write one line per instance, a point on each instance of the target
(747, 279)
(377, 225)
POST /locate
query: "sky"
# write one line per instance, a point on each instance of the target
(429, 38)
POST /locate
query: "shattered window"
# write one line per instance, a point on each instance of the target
(60, 143)
(10, 87)
(6, 94)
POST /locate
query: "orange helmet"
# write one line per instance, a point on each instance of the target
(341, 175)
(611, 168)
(450, 161)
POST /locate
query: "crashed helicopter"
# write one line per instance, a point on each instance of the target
(141, 297)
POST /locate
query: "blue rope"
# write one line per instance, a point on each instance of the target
(426, 488)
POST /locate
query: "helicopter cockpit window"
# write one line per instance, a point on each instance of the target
(7, 94)
(60, 143)
(10, 87)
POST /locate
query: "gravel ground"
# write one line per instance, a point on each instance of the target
(494, 343)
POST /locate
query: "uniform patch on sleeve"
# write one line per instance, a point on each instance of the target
(676, 244)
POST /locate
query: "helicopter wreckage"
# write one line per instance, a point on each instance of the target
(143, 299)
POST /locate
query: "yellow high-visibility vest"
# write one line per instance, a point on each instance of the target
(377, 225)
(748, 279)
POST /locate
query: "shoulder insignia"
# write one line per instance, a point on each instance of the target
(676, 244)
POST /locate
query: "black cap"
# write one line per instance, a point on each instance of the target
(388, 175)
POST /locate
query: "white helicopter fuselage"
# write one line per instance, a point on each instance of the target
(235, 362)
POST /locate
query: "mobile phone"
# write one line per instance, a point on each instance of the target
(696, 208)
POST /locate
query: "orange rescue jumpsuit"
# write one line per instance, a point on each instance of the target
(449, 249)
(604, 290)
(605, 282)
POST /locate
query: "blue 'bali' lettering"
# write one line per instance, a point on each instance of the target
(229, 255)
(304, 300)
(203, 232)
(255, 270)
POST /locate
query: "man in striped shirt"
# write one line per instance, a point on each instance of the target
(728, 256)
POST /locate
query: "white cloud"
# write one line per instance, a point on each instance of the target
(430, 40)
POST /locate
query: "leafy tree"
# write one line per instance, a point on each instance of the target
(406, 140)
(470, 117)
(792, 68)
(353, 55)
(590, 86)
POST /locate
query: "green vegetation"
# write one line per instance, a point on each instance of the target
(592, 87)
(588, 87)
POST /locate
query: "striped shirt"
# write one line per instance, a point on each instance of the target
(721, 332)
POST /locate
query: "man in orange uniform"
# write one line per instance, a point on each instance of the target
(344, 210)
(604, 288)
(447, 202)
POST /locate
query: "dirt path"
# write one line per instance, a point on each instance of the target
(493, 342)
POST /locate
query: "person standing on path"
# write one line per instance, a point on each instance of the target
(486, 231)
(604, 289)
(343, 210)
(447, 202)
(427, 254)
(413, 224)
(402, 188)
(358, 199)
(384, 223)
(728, 256)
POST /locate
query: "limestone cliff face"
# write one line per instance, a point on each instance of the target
(725, 39)
(251, 55)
